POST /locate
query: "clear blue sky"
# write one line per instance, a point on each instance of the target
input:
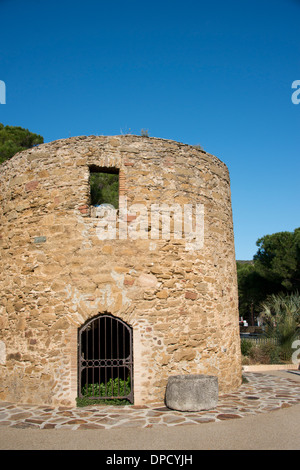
(216, 73)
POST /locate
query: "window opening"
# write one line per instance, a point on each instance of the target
(104, 186)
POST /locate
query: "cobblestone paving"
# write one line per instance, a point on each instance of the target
(261, 394)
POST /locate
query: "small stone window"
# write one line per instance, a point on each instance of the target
(104, 188)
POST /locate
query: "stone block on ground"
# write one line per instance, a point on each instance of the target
(192, 392)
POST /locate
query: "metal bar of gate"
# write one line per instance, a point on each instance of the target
(111, 357)
(93, 357)
(123, 344)
(117, 335)
(99, 356)
(86, 358)
(105, 355)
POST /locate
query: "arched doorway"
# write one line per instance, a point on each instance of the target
(105, 359)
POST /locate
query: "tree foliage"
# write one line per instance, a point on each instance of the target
(104, 189)
(278, 258)
(15, 139)
(253, 289)
(275, 269)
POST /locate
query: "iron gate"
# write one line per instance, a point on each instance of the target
(105, 359)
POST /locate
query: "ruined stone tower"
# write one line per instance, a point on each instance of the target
(160, 292)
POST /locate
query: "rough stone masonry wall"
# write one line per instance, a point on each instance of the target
(56, 273)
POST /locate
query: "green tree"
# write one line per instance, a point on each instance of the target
(15, 139)
(278, 259)
(275, 269)
(252, 289)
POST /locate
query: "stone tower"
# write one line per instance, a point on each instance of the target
(156, 277)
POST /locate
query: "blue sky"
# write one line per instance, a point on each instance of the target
(215, 73)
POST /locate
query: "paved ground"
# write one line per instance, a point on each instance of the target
(263, 414)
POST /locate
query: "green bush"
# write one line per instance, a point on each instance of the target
(246, 347)
(264, 353)
(92, 393)
(114, 387)
(267, 353)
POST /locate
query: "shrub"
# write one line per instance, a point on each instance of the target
(267, 353)
(246, 346)
(114, 387)
(92, 393)
(281, 314)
